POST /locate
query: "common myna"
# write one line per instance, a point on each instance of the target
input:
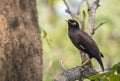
(82, 41)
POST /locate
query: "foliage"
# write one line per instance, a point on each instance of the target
(112, 74)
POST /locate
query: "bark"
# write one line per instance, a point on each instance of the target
(20, 43)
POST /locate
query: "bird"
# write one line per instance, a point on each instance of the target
(82, 41)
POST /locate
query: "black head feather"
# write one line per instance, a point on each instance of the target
(72, 24)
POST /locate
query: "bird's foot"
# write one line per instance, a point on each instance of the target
(86, 62)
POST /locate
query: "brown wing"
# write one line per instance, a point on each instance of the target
(88, 43)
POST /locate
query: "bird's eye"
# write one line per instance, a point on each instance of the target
(74, 23)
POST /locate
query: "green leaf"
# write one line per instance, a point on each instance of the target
(94, 77)
(96, 80)
(114, 77)
(118, 71)
(109, 73)
(106, 74)
(116, 66)
(105, 79)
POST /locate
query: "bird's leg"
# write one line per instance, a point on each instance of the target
(87, 61)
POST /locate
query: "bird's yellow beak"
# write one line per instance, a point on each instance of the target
(67, 20)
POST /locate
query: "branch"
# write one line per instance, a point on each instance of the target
(102, 23)
(72, 14)
(78, 11)
(84, 15)
(91, 15)
(62, 65)
(75, 74)
(87, 3)
(90, 25)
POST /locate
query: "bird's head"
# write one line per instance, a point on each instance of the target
(72, 23)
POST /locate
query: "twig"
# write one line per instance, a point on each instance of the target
(78, 11)
(49, 65)
(102, 23)
(83, 26)
(62, 65)
(87, 4)
(68, 9)
(73, 15)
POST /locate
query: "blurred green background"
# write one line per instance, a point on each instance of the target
(56, 44)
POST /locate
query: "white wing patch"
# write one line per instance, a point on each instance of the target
(82, 47)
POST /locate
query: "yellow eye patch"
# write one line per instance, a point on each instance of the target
(74, 23)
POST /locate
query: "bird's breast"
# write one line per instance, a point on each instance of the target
(74, 38)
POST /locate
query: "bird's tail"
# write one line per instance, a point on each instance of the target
(101, 63)
(101, 54)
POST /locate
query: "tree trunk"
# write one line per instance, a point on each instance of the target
(20, 43)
